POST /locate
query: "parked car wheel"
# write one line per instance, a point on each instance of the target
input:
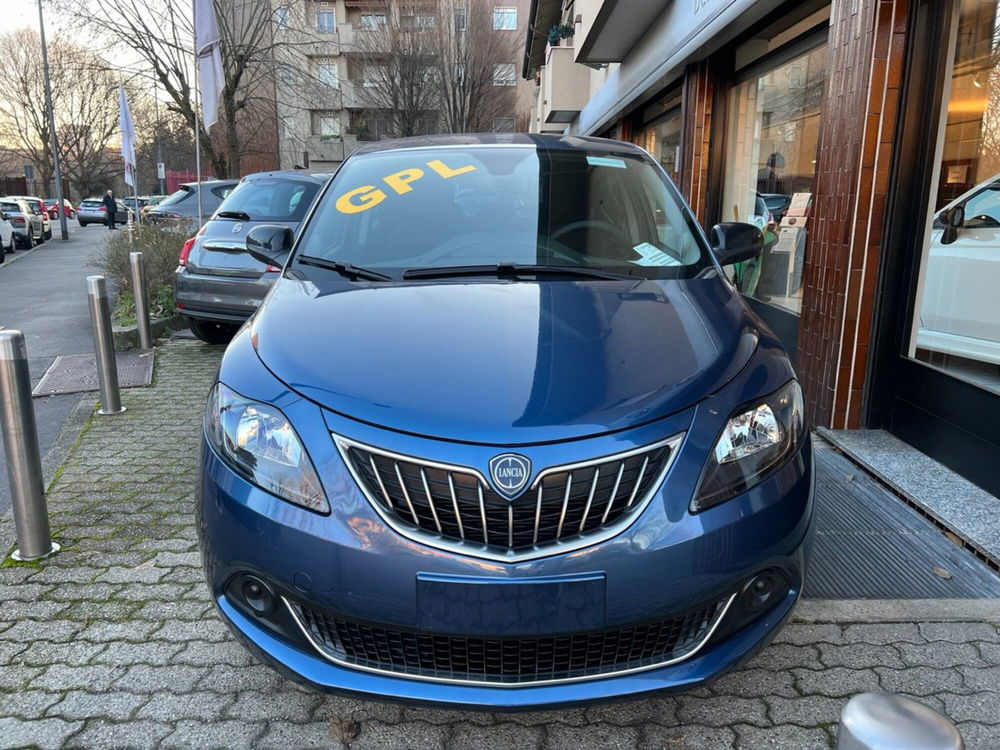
(47, 235)
(83, 223)
(12, 245)
(29, 241)
(211, 332)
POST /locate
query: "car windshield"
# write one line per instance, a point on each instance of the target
(91, 204)
(271, 199)
(35, 205)
(488, 205)
(174, 198)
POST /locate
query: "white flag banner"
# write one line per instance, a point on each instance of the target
(128, 136)
(208, 49)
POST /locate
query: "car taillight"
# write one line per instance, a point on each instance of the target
(17, 219)
(167, 215)
(271, 268)
(103, 208)
(186, 251)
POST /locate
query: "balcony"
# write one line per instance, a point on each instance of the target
(565, 86)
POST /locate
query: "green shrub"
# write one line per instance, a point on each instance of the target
(160, 247)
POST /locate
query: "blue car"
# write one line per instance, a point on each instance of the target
(504, 436)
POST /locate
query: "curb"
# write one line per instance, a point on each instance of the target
(21, 254)
(896, 610)
(127, 337)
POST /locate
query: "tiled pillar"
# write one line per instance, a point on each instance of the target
(699, 89)
(864, 70)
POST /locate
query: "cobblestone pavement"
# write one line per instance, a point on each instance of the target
(114, 642)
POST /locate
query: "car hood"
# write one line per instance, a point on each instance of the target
(505, 362)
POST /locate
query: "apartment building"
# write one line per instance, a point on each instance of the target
(852, 132)
(326, 102)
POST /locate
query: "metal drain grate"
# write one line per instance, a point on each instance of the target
(76, 373)
(871, 545)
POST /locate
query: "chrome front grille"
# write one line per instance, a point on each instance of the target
(509, 661)
(564, 503)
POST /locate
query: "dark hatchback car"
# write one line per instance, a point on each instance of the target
(504, 435)
(218, 284)
(181, 207)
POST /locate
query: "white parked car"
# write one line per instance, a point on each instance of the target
(960, 310)
(8, 242)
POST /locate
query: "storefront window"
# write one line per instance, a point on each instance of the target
(957, 327)
(661, 137)
(772, 147)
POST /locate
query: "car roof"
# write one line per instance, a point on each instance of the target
(210, 183)
(543, 141)
(294, 174)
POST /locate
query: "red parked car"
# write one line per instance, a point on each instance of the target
(68, 211)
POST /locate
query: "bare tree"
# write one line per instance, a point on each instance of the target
(24, 121)
(396, 70)
(160, 35)
(474, 63)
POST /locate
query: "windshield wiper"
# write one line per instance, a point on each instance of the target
(241, 215)
(345, 269)
(511, 269)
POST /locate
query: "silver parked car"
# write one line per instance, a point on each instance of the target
(28, 228)
(38, 206)
(92, 211)
(218, 285)
(181, 208)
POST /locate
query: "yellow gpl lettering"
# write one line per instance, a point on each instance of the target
(367, 196)
(447, 172)
(400, 181)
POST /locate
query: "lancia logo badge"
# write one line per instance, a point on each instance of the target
(510, 473)
(237, 228)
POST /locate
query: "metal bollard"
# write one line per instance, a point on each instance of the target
(891, 722)
(20, 437)
(141, 302)
(104, 346)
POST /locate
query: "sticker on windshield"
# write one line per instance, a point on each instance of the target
(401, 182)
(651, 256)
(605, 161)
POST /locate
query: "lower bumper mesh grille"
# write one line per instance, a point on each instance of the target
(509, 661)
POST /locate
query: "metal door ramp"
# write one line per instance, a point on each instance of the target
(871, 545)
(76, 373)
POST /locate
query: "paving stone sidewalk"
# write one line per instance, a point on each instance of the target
(114, 642)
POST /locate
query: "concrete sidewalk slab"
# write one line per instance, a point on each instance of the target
(114, 641)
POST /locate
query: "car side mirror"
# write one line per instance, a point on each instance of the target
(270, 243)
(734, 241)
(954, 219)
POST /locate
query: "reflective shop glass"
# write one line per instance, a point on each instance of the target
(772, 147)
(662, 138)
(957, 322)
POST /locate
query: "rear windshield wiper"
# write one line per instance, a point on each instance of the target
(511, 269)
(240, 215)
(345, 269)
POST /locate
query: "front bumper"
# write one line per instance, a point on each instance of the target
(351, 563)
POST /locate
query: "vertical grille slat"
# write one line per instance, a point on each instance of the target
(451, 502)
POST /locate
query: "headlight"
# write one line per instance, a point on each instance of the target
(758, 437)
(258, 441)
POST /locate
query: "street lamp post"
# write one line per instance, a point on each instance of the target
(53, 138)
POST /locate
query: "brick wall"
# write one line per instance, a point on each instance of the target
(864, 64)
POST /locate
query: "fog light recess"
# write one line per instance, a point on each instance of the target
(257, 595)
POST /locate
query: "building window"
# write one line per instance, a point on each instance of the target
(662, 138)
(504, 74)
(326, 72)
(374, 76)
(503, 124)
(326, 21)
(461, 18)
(505, 19)
(281, 16)
(460, 72)
(325, 123)
(285, 73)
(420, 21)
(772, 146)
(956, 319)
(371, 21)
